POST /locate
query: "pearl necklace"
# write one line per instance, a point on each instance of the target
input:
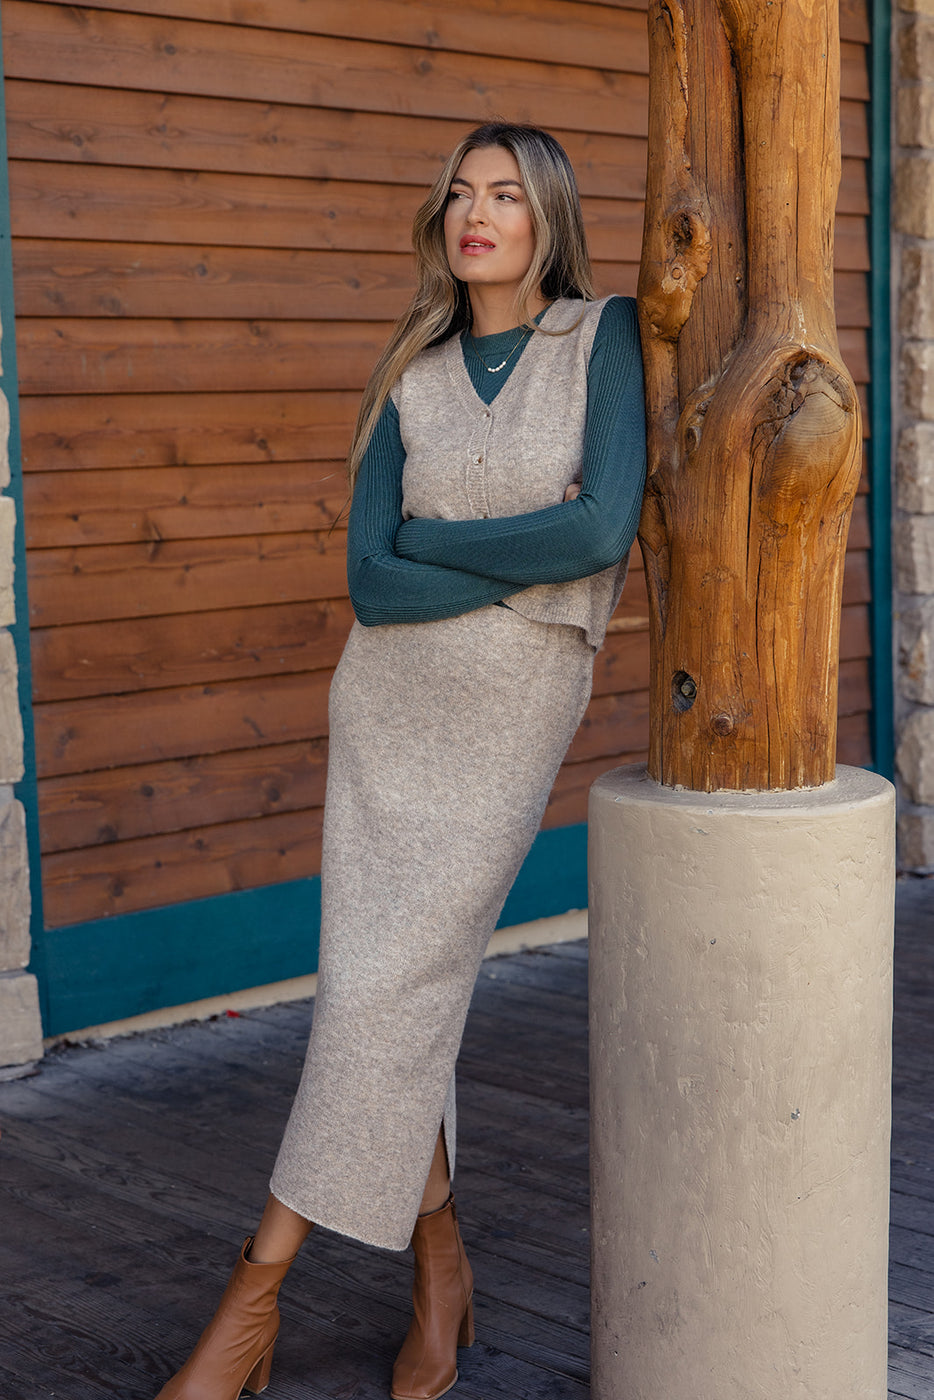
(495, 369)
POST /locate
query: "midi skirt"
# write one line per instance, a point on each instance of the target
(445, 740)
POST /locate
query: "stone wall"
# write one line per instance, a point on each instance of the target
(20, 1027)
(913, 273)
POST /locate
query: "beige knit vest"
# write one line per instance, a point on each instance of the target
(466, 460)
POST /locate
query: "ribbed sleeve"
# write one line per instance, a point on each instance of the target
(383, 587)
(576, 538)
(421, 570)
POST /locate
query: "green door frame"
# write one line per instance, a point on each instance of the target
(880, 360)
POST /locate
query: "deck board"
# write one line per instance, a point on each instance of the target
(130, 1168)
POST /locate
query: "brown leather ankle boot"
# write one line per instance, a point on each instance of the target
(235, 1350)
(442, 1298)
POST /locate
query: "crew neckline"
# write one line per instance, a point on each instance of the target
(497, 336)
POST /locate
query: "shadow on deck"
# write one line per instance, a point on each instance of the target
(130, 1170)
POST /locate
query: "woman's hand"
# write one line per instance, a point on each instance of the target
(573, 491)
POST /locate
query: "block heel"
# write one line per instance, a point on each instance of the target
(258, 1379)
(234, 1355)
(465, 1337)
(442, 1306)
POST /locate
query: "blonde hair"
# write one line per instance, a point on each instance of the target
(440, 308)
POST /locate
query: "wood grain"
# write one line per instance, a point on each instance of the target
(172, 503)
(854, 350)
(545, 30)
(854, 632)
(111, 126)
(854, 17)
(114, 658)
(855, 690)
(117, 879)
(68, 122)
(90, 356)
(169, 576)
(79, 278)
(121, 804)
(53, 42)
(61, 432)
(854, 129)
(117, 658)
(116, 805)
(859, 535)
(855, 24)
(185, 649)
(612, 724)
(754, 422)
(211, 241)
(854, 742)
(569, 798)
(97, 356)
(64, 278)
(125, 803)
(567, 804)
(174, 206)
(113, 731)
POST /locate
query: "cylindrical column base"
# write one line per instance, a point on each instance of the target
(740, 953)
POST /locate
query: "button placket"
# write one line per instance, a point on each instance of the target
(475, 477)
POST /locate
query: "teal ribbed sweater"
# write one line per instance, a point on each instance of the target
(421, 570)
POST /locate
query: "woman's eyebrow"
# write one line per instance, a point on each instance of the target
(494, 184)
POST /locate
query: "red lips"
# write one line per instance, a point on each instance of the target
(475, 238)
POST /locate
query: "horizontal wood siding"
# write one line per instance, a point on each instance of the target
(211, 202)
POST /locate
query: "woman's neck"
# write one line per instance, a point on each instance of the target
(493, 309)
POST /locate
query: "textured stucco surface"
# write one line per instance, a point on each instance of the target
(740, 953)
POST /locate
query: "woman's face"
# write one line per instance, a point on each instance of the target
(488, 233)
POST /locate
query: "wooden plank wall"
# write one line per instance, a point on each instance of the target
(211, 202)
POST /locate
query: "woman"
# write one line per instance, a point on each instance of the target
(498, 466)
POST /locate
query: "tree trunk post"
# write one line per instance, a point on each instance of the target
(742, 888)
(754, 421)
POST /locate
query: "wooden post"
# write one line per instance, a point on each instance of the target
(742, 904)
(754, 425)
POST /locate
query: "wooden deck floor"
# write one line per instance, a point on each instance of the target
(130, 1170)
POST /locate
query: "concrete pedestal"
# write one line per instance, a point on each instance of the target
(740, 953)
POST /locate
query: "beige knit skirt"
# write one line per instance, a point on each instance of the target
(445, 741)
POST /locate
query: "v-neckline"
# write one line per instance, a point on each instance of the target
(460, 375)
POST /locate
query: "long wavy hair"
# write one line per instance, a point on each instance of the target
(440, 308)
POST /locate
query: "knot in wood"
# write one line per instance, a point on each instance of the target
(808, 422)
(722, 725)
(683, 691)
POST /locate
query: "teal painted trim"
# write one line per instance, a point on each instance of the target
(25, 789)
(109, 969)
(880, 356)
(553, 878)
